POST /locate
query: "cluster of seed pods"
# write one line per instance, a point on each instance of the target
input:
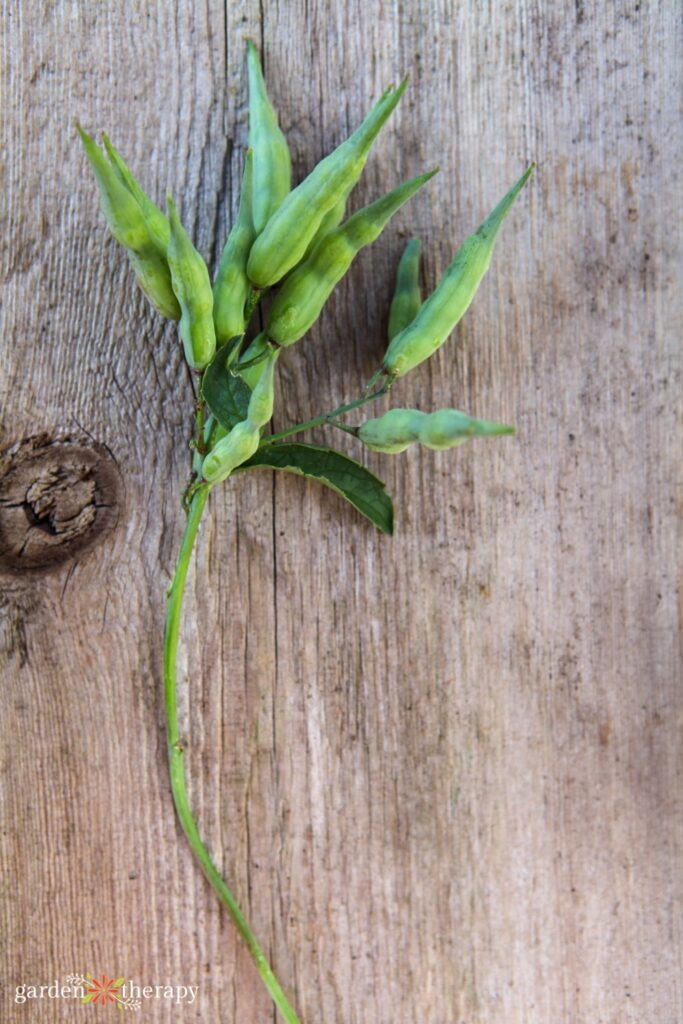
(295, 245)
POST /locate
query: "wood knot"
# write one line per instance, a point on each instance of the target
(58, 497)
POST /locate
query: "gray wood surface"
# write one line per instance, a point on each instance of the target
(442, 771)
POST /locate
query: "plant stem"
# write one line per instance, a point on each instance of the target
(175, 755)
(325, 418)
(342, 426)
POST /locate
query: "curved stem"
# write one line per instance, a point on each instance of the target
(175, 755)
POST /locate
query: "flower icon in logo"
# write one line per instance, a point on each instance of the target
(103, 990)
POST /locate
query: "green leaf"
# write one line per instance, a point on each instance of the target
(227, 396)
(344, 475)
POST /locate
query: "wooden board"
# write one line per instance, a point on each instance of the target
(442, 771)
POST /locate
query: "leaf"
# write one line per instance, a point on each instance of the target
(227, 396)
(344, 475)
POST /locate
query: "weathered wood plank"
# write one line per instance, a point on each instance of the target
(441, 771)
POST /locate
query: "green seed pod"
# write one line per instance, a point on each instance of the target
(447, 304)
(290, 230)
(232, 449)
(446, 428)
(213, 431)
(154, 277)
(304, 293)
(252, 374)
(231, 287)
(407, 299)
(272, 162)
(230, 452)
(192, 287)
(131, 229)
(330, 221)
(260, 409)
(157, 223)
(120, 208)
(393, 432)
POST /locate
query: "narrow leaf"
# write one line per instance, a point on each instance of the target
(226, 395)
(363, 489)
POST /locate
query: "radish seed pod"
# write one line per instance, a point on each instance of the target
(440, 313)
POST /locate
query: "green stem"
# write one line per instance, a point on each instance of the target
(175, 755)
(342, 426)
(325, 418)
(381, 372)
(238, 367)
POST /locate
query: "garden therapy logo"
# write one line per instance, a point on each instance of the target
(104, 990)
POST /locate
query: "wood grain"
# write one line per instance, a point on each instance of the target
(442, 771)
